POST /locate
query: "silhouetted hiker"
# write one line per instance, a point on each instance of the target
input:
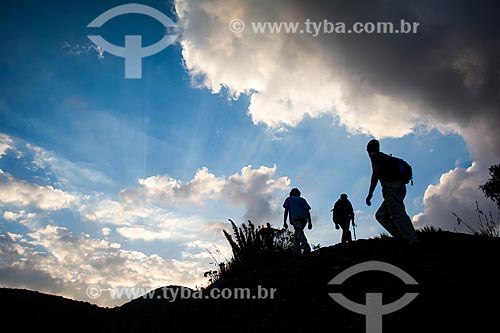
(391, 214)
(342, 215)
(298, 209)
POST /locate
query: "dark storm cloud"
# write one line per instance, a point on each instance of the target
(445, 76)
(450, 67)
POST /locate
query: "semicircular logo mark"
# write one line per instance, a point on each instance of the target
(373, 309)
(133, 52)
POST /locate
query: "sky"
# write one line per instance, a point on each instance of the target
(110, 181)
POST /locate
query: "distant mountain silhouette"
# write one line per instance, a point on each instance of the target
(458, 284)
(33, 311)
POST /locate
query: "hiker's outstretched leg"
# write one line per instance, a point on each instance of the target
(348, 237)
(300, 240)
(296, 240)
(394, 194)
(346, 233)
(304, 243)
(383, 217)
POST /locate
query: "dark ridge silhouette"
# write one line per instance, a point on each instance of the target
(30, 310)
(457, 277)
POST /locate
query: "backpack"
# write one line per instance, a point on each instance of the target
(405, 172)
(342, 208)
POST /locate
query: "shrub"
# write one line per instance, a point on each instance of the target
(487, 226)
(252, 244)
(429, 229)
(491, 188)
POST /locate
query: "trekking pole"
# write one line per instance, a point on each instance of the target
(354, 228)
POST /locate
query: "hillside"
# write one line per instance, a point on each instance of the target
(457, 277)
(33, 311)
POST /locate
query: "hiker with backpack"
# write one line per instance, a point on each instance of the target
(298, 210)
(343, 214)
(393, 174)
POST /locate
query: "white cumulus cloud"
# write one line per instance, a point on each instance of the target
(66, 263)
(204, 185)
(457, 192)
(251, 188)
(288, 76)
(23, 193)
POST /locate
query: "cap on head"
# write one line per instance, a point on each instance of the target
(343, 196)
(295, 192)
(373, 146)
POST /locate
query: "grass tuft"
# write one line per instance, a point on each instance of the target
(253, 246)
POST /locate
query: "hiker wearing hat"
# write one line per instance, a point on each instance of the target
(298, 209)
(343, 214)
(391, 214)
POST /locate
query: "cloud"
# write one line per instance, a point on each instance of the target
(143, 233)
(141, 220)
(288, 76)
(53, 258)
(78, 49)
(24, 194)
(66, 263)
(204, 185)
(60, 170)
(106, 231)
(65, 172)
(110, 211)
(251, 188)
(457, 192)
(21, 215)
(446, 76)
(6, 143)
(430, 78)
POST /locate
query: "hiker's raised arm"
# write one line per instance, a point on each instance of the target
(373, 183)
(285, 216)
